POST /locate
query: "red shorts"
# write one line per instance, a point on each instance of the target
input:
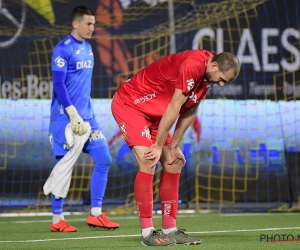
(137, 130)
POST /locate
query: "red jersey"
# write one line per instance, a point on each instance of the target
(151, 89)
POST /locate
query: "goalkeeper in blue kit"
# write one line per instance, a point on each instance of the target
(72, 68)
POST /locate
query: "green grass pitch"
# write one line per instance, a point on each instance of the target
(217, 231)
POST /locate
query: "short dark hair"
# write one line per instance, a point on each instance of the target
(227, 61)
(79, 11)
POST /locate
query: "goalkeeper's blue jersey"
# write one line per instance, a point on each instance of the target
(76, 59)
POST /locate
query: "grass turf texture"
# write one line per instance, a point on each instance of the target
(217, 231)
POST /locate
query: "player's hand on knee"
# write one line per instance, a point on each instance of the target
(77, 124)
(176, 154)
(153, 153)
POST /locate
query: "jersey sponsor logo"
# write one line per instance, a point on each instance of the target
(60, 62)
(193, 97)
(84, 64)
(145, 98)
(66, 146)
(190, 84)
(96, 136)
(90, 52)
(77, 52)
(146, 133)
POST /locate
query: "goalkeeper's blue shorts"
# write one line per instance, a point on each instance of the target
(58, 139)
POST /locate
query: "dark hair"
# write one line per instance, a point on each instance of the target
(79, 11)
(227, 61)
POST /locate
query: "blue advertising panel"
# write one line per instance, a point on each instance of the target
(233, 133)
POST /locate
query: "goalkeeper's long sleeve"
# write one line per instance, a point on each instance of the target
(60, 89)
(77, 124)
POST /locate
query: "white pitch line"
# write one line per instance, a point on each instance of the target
(136, 217)
(254, 214)
(138, 235)
(246, 230)
(80, 238)
(83, 219)
(80, 219)
(35, 221)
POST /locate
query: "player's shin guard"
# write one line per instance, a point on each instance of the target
(144, 198)
(168, 191)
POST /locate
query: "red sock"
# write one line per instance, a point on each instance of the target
(144, 198)
(168, 192)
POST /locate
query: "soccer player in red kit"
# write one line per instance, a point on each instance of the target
(145, 108)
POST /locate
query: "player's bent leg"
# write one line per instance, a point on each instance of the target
(168, 192)
(165, 158)
(169, 189)
(144, 199)
(102, 159)
(58, 221)
(143, 191)
(144, 165)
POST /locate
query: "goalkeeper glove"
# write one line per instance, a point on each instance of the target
(77, 124)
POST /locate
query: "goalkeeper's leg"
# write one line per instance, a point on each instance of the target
(58, 221)
(102, 159)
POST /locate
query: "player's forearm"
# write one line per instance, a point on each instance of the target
(181, 126)
(184, 121)
(166, 123)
